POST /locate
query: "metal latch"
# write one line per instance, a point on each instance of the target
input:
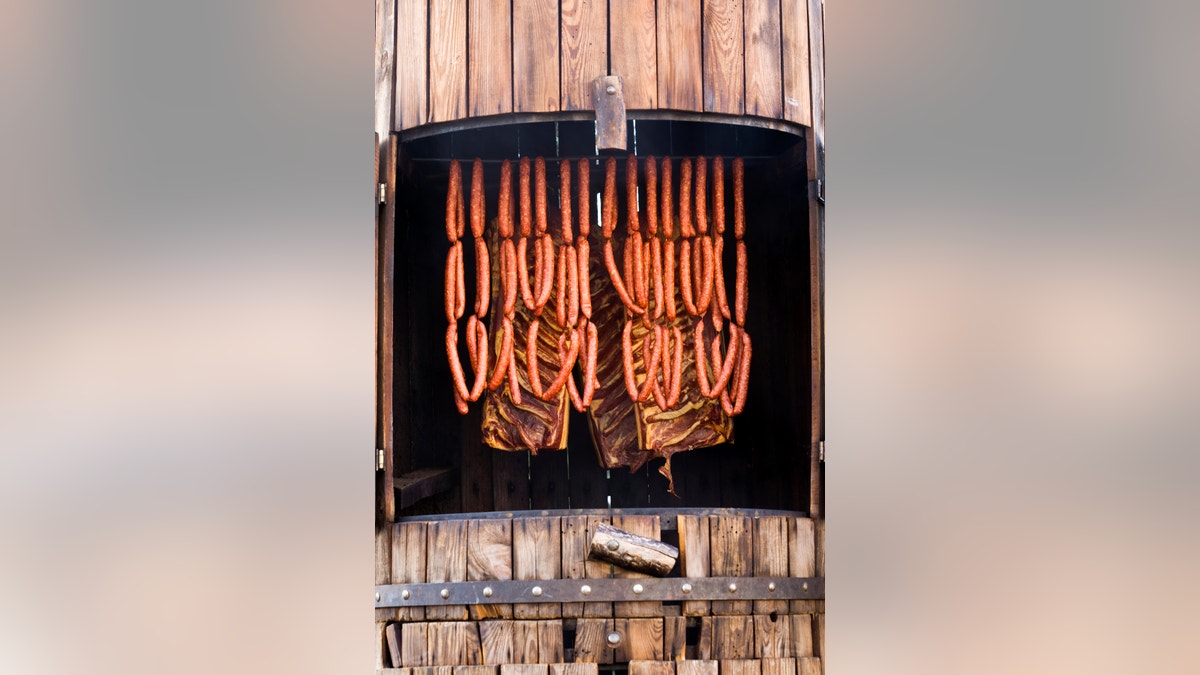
(821, 450)
(383, 193)
(379, 460)
(608, 99)
(818, 190)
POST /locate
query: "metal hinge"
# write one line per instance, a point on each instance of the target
(821, 450)
(383, 193)
(818, 190)
(379, 460)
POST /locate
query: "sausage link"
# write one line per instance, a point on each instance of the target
(505, 216)
(481, 360)
(509, 256)
(572, 266)
(478, 213)
(456, 369)
(727, 363)
(627, 360)
(651, 169)
(564, 371)
(564, 198)
(701, 366)
(718, 190)
(631, 195)
(685, 199)
(560, 296)
(743, 379)
(583, 252)
(701, 192)
(460, 403)
(742, 292)
(461, 220)
(627, 266)
(720, 300)
(647, 269)
(704, 292)
(608, 221)
(452, 191)
(500, 369)
(676, 369)
(685, 276)
(523, 270)
(526, 202)
(668, 219)
(532, 361)
(514, 382)
(668, 256)
(585, 198)
(656, 263)
(652, 365)
(589, 368)
(739, 198)
(539, 195)
(483, 278)
(546, 275)
(634, 246)
(451, 279)
(615, 274)
(660, 399)
(572, 390)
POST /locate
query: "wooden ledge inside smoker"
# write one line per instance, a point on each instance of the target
(422, 484)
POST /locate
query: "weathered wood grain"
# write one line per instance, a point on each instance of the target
(801, 555)
(550, 641)
(801, 627)
(695, 667)
(454, 643)
(535, 56)
(778, 666)
(475, 670)
(731, 547)
(385, 56)
(408, 563)
(764, 74)
(591, 645)
(447, 60)
(771, 557)
(772, 636)
(810, 665)
(704, 642)
(675, 638)
(632, 552)
(577, 532)
(537, 554)
(489, 54)
(651, 668)
(584, 50)
(383, 567)
(412, 35)
(524, 669)
(645, 526)
(526, 638)
(573, 669)
(414, 645)
(680, 66)
(641, 639)
(820, 547)
(694, 556)
(741, 667)
(724, 65)
(819, 643)
(797, 96)
(733, 637)
(392, 632)
(446, 560)
(633, 53)
(496, 640)
(489, 556)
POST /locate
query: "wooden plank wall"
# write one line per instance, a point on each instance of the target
(458, 59)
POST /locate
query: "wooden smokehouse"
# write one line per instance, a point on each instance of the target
(600, 305)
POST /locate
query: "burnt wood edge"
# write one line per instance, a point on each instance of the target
(423, 483)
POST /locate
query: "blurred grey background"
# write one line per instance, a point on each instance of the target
(186, 346)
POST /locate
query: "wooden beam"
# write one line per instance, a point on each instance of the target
(423, 483)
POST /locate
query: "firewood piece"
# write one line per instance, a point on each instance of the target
(524, 669)
(641, 639)
(573, 669)
(393, 642)
(414, 644)
(496, 638)
(525, 642)
(651, 668)
(550, 641)
(693, 667)
(633, 552)
(454, 643)
(591, 640)
(704, 645)
(779, 667)
(772, 636)
(475, 670)
(741, 667)
(810, 665)
(733, 637)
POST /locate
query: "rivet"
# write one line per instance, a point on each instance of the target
(733, 588)
(445, 593)
(804, 586)
(376, 597)
(614, 638)
(771, 587)
(537, 591)
(637, 588)
(585, 589)
(405, 594)
(487, 591)
(611, 89)
(613, 544)
(687, 588)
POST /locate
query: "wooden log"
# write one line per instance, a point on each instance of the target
(641, 639)
(408, 563)
(680, 69)
(489, 556)
(447, 60)
(535, 56)
(392, 631)
(577, 533)
(651, 668)
(731, 546)
(771, 558)
(550, 641)
(525, 642)
(741, 667)
(496, 639)
(537, 554)
(724, 69)
(633, 53)
(801, 556)
(772, 636)
(574, 669)
(797, 101)
(764, 77)
(675, 638)
(446, 560)
(414, 645)
(696, 667)
(693, 556)
(733, 637)
(454, 643)
(778, 666)
(489, 51)
(591, 640)
(650, 528)
(809, 665)
(801, 627)
(633, 552)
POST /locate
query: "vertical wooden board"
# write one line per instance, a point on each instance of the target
(535, 56)
(731, 549)
(489, 556)
(584, 50)
(764, 76)
(696, 667)
(801, 627)
(801, 554)
(454, 643)
(771, 557)
(797, 95)
(432, 670)
(383, 567)
(680, 69)
(412, 33)
(408, 563)
(550, 641)
(496, 640)
(740, 667)
(489, 54)
(511, 481)
(694, 556)
(525, 642)
(574, 669)
(447, 60)
(414, 645)
(733, 637)
(651, 668)
(646, 526)
(549, 487)
(385, 56)
(772, 636)
(808, 666)
(819, 643)
(704, 643)
(591, 645)
(476, 472)
(446, 560)
(537, 554)
(819, 554)
(641, 639)
(392, 632)
(577, 532)
(675, 638)
(778, 667)
(724, 66)
(524, 669)
(633, 53)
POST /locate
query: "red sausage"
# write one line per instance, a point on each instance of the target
(701, 195)
(584, 253)
(526, 202)
(627, 360)
(505, 216)
(539, 195)
(742, 295)
(739, 198)
(685, 199)
(652, 365)
(615, 274)
(718, 188)
(685, 276)
(719, 299)
(500, 369)
(608, 221)
(531, 360)
(455, 184)
(631, 202)
(509, 253)
(456, 370)
(564, 198)
(668, 218)
(523, 270)
(701, 366)
(585, 199)
(483, 278)
(477, 206)
(651, 196)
